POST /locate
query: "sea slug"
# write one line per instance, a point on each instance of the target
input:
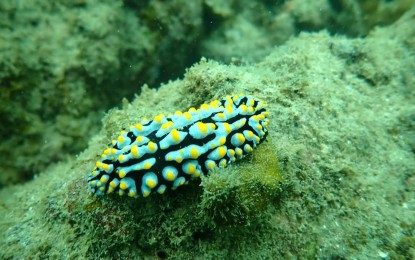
(168, 151)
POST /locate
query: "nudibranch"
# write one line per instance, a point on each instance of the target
(168, 151)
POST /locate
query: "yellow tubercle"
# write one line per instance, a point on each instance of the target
(139, 127)
(191, 169)
(120, 139)
(139, 138)
(221, 151)
(146, 193)
(240, 137)
(147, 166)
(248, 148)
(205, 107)
(131, 193)
(222, 140)
(170, 176)
(250, 134)
(244, 108)
(122, 173)
(151, 183)
(202, 127)
(159, 118)
(222, 163)
(187, 115)
(121, 158)
(123, 185)
(215, 103)
(175, 135)
(167, 125)
(134, 151)
(227, 127)
(229, 109)
(194, 153)
(211, 165)
(152, 146)
(192, 109)
(238, 152)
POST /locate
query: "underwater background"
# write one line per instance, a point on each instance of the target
(335, 178)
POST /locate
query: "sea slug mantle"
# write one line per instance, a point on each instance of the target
(168, 151)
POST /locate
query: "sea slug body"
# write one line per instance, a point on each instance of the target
(168, 151)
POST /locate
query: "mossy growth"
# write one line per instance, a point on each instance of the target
(235, 198)
(242, 193)
(405, 248)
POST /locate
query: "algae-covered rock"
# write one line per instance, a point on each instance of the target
(59, 63)
(248, 30)
(62, 64)
(334, 179)
(240, 195)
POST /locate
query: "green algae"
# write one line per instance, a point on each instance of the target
(63, 63)
(60, 60)
(242, 194)
(334, 180)
(234, 199)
